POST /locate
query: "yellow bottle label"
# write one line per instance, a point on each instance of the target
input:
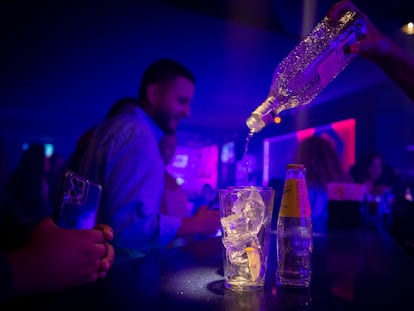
(295, 200)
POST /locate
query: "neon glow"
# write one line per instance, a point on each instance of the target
(279, 151)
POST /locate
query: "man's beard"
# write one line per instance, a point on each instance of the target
(163, 121)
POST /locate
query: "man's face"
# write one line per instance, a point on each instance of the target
(172, 103)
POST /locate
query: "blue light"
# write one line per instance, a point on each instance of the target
(49, 149)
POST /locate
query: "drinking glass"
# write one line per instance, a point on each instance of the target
(245, 216)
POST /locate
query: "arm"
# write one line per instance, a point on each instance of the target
(396, 62)
(205, 221)
(57, 259)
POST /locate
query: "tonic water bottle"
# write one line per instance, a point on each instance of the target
(294, 232)
(309, 67)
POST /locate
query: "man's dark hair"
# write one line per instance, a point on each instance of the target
(119, 106)
(163, 70)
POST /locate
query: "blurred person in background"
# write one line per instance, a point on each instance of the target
(175, 202)
(382, 184)
(123, 105)
(54, 175)
(123, 156)
(323, 166)
(31, 188)
(208, 198)
(371, 170)
(27, 198)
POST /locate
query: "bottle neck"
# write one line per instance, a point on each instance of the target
(262, 115)
(267, 106)
(295, 174)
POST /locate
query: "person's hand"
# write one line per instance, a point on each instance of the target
(375, 42)
(208, 220)
(108, 260)
(205, 221)
(58, 258)
(394, 60)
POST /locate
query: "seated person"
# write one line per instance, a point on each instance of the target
(175, 202)
(370, 170)
(208, 197)
(323, 166)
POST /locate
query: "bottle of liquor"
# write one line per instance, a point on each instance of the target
(310, 67)
(294, 232)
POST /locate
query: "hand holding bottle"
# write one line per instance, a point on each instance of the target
(375, 41)
(310, 66)
(378, 48)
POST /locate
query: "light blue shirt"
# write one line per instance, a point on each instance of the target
(123, 157)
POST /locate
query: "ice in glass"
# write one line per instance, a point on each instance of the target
(245, 221)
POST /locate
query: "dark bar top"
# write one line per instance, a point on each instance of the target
(360, 269)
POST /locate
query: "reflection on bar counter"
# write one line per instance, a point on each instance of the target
(310, 67)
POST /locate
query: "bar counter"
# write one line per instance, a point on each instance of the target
(361, 269)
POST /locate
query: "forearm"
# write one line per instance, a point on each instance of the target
(398, 64)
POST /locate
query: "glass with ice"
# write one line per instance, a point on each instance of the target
(245, 215)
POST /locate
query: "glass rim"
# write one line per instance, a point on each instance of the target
(261, 188)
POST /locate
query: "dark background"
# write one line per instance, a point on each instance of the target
(63, 64)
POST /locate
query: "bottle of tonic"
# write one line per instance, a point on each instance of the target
(310, 67)
(294, 231)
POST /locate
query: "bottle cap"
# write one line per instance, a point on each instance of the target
(295, 166)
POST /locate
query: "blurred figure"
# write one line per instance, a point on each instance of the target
(27, 194)
(380, 181)
(54, 175)
(323, 166)
(396, 62)
(32, 187)
(369, 170)
(50, 258)
(208, 197)
(123, 156)
(175, 200)
(125, 104)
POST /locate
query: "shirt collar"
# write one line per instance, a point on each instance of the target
(156, 130)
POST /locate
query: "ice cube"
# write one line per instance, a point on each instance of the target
(254, 212)
(255, 196)
(240, 202)
(234, 230)
(237, 256)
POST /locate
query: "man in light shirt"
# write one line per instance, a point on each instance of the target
(123, 156)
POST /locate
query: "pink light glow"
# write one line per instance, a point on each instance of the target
(278, 151)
